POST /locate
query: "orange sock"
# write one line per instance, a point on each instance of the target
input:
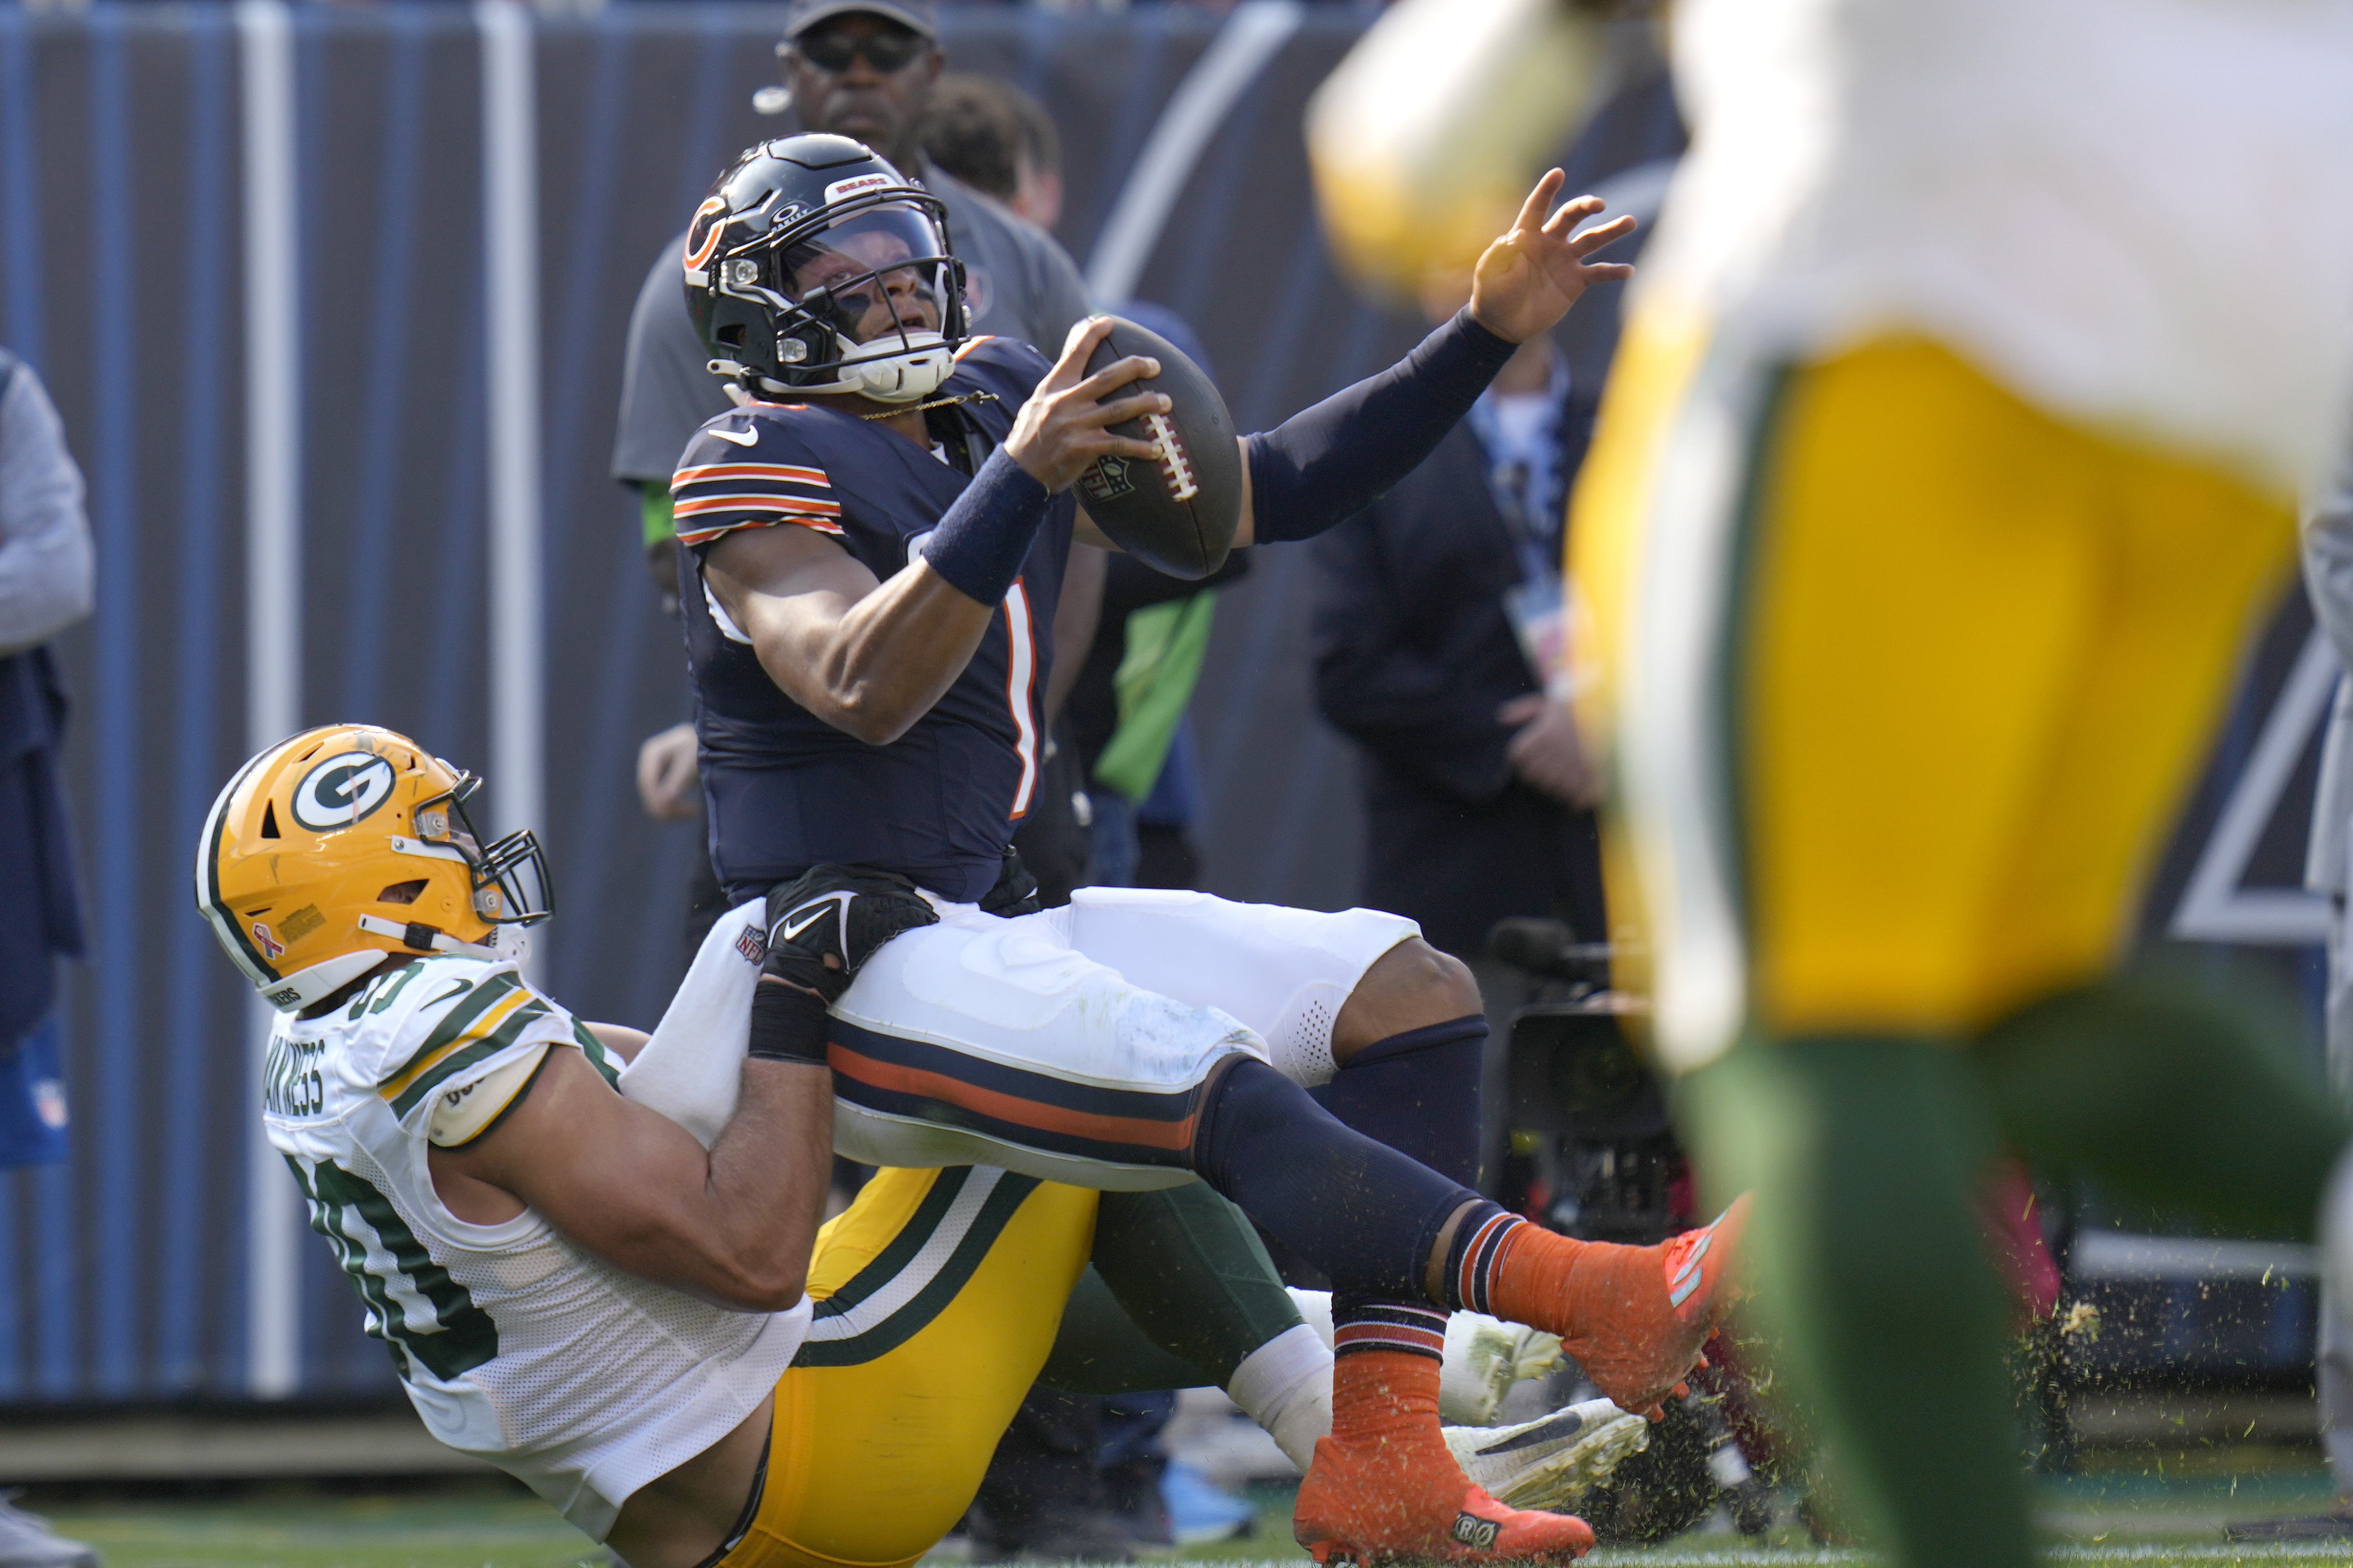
(1549, 1282)
(1384, 1397)
(1384, 1486)
(1401, 1480)
(1634, 1317)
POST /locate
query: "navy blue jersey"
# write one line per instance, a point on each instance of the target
(788, 791)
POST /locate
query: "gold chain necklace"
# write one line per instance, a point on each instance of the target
(936, 403)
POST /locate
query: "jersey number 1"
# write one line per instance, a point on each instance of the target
(1020, 681)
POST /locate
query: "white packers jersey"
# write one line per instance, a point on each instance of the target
(2136, 214)
(582, 1381)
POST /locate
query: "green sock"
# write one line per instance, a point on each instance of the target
(1180, 1289)
(2171, 1095)
(1099, 1349)
(1864, 1155)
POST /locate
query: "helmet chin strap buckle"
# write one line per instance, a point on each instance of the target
(423, 938)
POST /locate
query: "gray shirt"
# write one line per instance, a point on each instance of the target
(1019, 284)
(47, 567)
(2329, 580)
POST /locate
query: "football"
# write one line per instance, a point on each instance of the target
(1176, 513)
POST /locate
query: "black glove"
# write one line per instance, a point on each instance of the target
(1016, 890)
(822, 927)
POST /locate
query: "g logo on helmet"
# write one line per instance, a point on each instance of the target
(342, 790)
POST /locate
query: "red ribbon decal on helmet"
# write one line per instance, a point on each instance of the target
(271, 948)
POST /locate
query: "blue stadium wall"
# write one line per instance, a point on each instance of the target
(123, 1273)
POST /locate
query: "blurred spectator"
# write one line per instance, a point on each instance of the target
(2328, 537)
(998, 140)
(1435, 609)
(866, 70)
(970, 131)
(47, 575)
(1477, 794)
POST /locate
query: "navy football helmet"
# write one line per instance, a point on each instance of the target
(814, 266)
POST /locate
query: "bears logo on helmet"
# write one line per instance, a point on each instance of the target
(814, 266)
(704, 233)
(330, 851)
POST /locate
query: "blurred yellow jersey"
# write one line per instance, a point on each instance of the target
(2136, 214)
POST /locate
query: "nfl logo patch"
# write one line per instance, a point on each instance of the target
(748, 943)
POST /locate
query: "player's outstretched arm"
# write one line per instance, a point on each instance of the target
(1332, 461)
(871, 657)
(733, 1224)
(1525, 281)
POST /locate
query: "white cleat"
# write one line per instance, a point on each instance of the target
(1484, 1358)
(1552, 1462)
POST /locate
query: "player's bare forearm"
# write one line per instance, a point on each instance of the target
(867, 658)
(733, 1225)
(879, 666)
(772, 1170)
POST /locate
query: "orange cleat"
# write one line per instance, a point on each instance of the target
(1634, 1317)
(1385, 1487)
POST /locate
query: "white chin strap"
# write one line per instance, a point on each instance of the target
(442, 942)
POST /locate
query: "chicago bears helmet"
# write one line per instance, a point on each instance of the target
(814, 266)
(330, 851)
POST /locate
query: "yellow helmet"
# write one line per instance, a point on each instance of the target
(331, 851)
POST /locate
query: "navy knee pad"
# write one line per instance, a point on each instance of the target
(1418, 1093)
(1365, 1213)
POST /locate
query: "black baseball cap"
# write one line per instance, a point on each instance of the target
(915, 15)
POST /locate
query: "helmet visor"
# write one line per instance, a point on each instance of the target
(510, 881)
(872, 274)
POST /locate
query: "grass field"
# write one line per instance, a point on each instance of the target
(2122, 1517)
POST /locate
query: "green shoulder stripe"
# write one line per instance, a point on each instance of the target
(455, 1022)
(431, 1081)
(598, 1057)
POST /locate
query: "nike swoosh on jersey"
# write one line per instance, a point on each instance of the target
(456, 986)
(741, 438)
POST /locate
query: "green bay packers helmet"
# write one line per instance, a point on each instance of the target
(329, 852)
(1425, 139)
(814, 266)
